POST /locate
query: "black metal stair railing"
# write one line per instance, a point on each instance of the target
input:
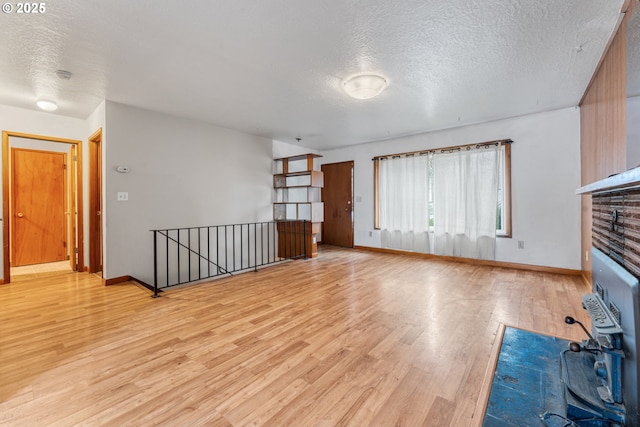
(184, 255)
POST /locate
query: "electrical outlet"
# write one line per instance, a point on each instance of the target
(586, 255)
(520, 244)
(371, 234)
(123, 196)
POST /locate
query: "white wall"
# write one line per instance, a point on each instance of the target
(186, 173)
(545, 159)
(94, 122)
(41, 123)
(285, 149)
(183, 173)
(45, 124)
(633, 132)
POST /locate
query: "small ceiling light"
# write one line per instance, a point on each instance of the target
(47, 105)
(63, 74)
(364, 86)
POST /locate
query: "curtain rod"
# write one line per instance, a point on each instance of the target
(447, 149)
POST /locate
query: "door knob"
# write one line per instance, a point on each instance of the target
(20, 214)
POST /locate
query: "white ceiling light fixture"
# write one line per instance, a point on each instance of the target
(46, 105)
(364, 86)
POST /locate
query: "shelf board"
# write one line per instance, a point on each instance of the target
(299, 157)
(316, 179)
(300, 173)
(625, 180)
(295, 203)
(302, 204)
(296, 186)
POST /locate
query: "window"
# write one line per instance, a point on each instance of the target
(503, 206)
(503, 217)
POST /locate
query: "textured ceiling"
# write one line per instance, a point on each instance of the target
(274, 68)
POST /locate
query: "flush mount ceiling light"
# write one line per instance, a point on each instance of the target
(364, 86)
(45, 105)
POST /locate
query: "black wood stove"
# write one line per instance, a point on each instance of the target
(600, 374)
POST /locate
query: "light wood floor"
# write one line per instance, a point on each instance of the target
(349, 338)
(29, 272)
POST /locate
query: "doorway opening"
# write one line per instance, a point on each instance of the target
(42, 205)
(95, 202)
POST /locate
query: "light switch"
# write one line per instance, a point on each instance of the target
(123, 196)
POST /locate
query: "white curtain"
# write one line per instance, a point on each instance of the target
(465, 202)
(404, 203)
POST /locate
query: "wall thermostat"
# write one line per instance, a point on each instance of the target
(123, 169)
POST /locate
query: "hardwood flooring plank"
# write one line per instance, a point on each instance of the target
(351, 338)
(440, 413)
(397, 404)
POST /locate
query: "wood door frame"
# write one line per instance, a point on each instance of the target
(72, 233)
(95, 202)
(6, 223)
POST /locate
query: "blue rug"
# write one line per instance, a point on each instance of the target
(527, 381)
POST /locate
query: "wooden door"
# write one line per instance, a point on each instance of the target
(95, 202)
(337, 196)
(38, 207)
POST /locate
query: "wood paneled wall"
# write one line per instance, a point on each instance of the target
(603, 127)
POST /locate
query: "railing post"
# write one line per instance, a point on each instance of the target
(155, 264)
(189, 252)
(255, 246)
(178, 251)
